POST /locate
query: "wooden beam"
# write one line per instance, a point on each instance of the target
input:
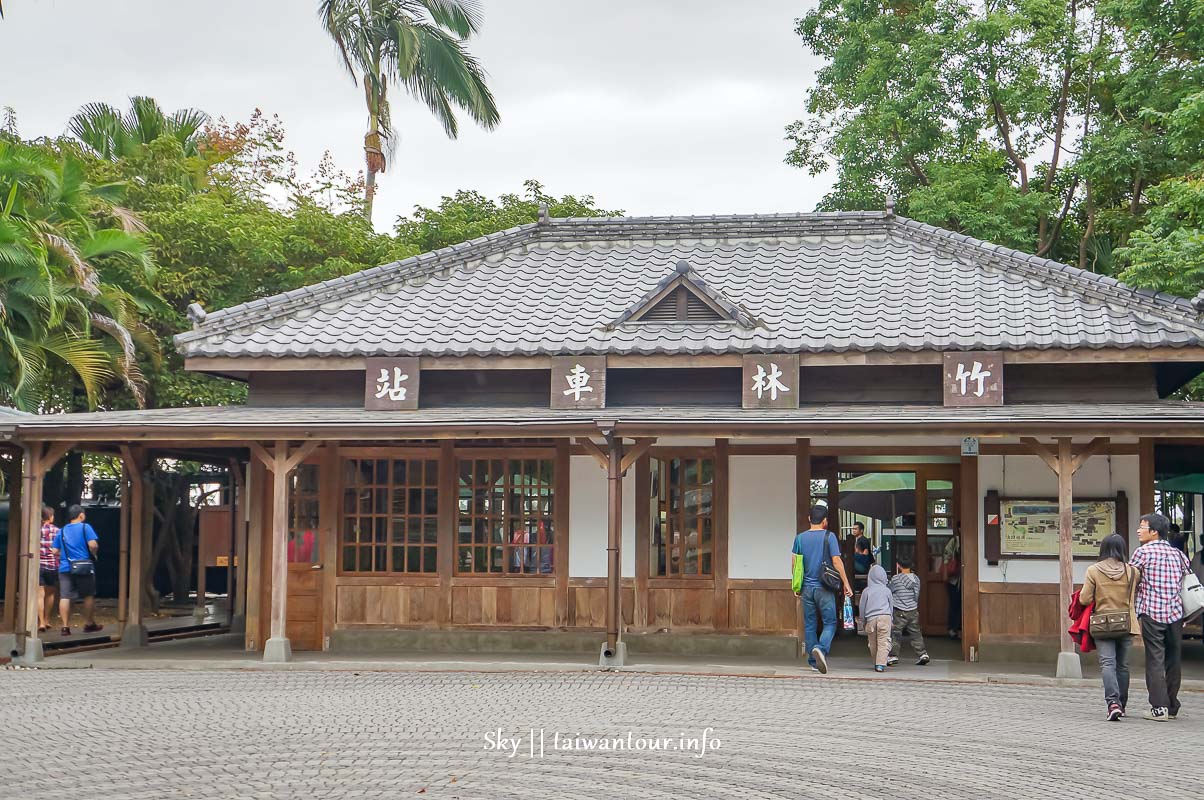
(330, 510)
(29, 532)
(635, 451)
(299, 455)
(594, 450)
(265, 458)
(1046, 455)
(279, 612)
(1095, 447)
(561, 497)
(135, 462)
(1065, 473)
(719, 533)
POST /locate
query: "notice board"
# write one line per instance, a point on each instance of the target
(1026, 527)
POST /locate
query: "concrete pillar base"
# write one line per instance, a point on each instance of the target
(277, 650)
(133, 635)
(238, 624)
(616, 659)
(199, 612)
(1069, 666)
(32, 654)
(10, 646)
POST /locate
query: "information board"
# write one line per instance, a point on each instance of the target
(1030, 527)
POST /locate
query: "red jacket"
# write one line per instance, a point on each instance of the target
(1080, 623)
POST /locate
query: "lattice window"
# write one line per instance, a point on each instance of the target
(390, 515)
(683, 522)
(303, 514)
(504, 522)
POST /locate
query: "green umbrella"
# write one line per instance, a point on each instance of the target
(889, 482)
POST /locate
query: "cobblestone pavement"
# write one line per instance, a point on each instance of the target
(167, 734)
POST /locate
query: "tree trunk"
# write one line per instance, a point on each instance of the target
(369, 193)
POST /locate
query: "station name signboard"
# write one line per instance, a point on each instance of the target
(770, 381)
(391, 384)
(578, 382)
(973, 379)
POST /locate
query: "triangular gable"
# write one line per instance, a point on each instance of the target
(684, 297)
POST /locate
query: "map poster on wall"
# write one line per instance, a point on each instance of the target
(1030, 527)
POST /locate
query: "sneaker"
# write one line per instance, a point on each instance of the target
(821, 661)
(1114, 713)
(814, 668)
(65, 631)
(1172, 714)
(923, 659)
(92, 627)
(1157, 715)
(891, 661)
(879, 668)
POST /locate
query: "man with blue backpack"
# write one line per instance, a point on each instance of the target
(76, 545)
(816, 560)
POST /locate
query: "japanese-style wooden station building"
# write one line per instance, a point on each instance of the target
(615, 427)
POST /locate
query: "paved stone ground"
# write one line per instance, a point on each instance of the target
(233, 734)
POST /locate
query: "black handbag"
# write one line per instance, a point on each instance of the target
(830, 578)
(1113, 624)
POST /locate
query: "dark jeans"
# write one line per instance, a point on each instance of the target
(1114, 667)
(818, 602)
(1163, 645)
(955, 606)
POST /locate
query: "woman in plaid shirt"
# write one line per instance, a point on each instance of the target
(48, 570)
(1160, 611)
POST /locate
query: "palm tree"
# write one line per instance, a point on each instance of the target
(112, 135)
(56, 308)
(419, 44)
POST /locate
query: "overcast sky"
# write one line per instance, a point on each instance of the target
(652, 106)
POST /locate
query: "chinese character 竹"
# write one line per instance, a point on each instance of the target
(976, 374)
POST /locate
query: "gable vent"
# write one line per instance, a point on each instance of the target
(681, 305)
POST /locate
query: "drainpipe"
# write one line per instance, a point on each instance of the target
(614, 483)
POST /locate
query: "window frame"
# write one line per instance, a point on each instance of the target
(660, 501)
(427, 518)
(545, 497)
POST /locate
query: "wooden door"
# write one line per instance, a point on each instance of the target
(303, 624)
(936, 542)
(303, 621)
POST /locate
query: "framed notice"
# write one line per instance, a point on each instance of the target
(1019, 528)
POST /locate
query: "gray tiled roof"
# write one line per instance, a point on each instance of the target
(851, 281)
(233, 422)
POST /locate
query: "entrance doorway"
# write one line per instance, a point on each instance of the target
(303, 622)
(909, 513)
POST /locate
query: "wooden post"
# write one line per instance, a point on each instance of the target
(1145, 479)
(802, 511)
(1065, 463)
(560, 531)
(238, 622)
(16, 513)
(253, 579)
(970, 524)
(643, 540)
(278, 647)
(38, 457)
(232, 550)
(330, 513)
(135, 464)
(719, 534)
(445, 554)
(614, 478)
(1065, 538)
(123, 558)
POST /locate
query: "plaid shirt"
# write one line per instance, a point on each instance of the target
(46, 557)
(1162, 570)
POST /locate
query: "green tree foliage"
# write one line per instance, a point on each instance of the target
(1040, 124)
(111, 135)
(418, 44)
(75, 280)
(467, 215)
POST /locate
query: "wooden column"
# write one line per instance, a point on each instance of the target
(802, 521)
(253, 582)
(560, 531)
(719, 533)
(445, 553)
(970, 526)
(123, 559)
(138, 520)
(614, 542)
(1145, 477)
(281, 463)
(16, 512)
(1065, 463)
(330, 513)
(643, 540)
(38, 457)
(243, 507)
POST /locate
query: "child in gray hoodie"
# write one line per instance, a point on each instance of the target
(877, 610)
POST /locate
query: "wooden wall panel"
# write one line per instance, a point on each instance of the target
(681, 608)
(1021, 612)
(504, 605)
(762, 610)
(387, 605)
(588, 606)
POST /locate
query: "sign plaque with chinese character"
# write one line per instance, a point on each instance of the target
(578, 382)
(771, 381)
(391, 384)
(973, 379)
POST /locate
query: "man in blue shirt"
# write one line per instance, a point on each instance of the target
(77, 543)
(818, 602)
